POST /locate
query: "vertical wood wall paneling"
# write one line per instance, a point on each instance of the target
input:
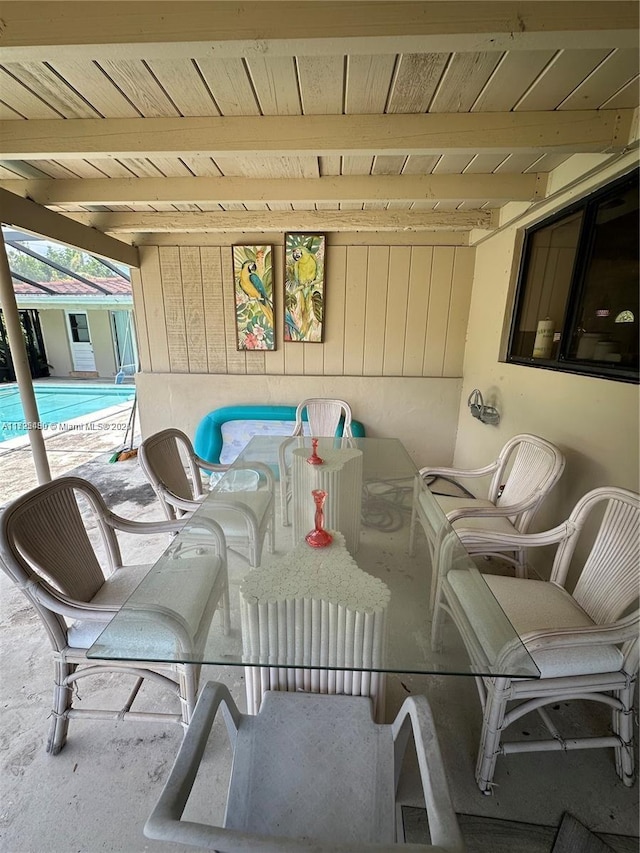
(151, 310)
(333, 347)
(274, 359)
(438, 310)
(417, 307)
(236, 359)
(174, 309)
(397, 295)
(354, 314)
(213, 305)
(376, 308)
(140, 320)
(194, 309)
(389, 310)
(458, 311)
(313, 359)
(154, 310)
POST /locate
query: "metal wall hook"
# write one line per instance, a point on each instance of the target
(485, 414)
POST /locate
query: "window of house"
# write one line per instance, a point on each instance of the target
(576, 304)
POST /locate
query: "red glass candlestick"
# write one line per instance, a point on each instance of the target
(314, 459)
(319, 537)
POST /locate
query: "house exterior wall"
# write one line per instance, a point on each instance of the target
(56, 341)
(593, 421)
(53, 322)
(395, 325)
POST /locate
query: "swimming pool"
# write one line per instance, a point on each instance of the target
(58, 404)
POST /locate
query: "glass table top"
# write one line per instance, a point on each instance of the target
(362, 603)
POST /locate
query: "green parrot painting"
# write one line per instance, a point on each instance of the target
(304, 287)
(305, 266)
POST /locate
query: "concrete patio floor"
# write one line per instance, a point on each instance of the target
(97, 793)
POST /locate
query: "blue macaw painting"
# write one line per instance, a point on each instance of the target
(252, 273)
(304, 287)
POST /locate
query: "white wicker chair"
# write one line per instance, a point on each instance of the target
(585, 643)
(324, 415)
(310, 773)
(175, 471)
(524, 473)
(48, 552)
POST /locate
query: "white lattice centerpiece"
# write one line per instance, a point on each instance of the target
(340, 476)
(314, 608)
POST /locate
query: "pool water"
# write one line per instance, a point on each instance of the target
(57, 404)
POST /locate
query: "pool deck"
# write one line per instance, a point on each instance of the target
(87, 437)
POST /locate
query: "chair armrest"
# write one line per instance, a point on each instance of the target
(495, 511)
(260, 467)
(59, 603)
(126, 525)
(459, 472)
(149, 527)
(476, 541)
(612, 634)
(443, 825)
(216, 467)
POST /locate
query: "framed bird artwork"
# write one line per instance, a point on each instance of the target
(253, 278)
(304, 287)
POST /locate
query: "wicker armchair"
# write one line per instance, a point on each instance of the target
(47, 548)
(174, 470)
(524, 473)
(584, 642)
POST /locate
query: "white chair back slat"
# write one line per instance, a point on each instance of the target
(324, 416)
(536, 464)
(608, 583)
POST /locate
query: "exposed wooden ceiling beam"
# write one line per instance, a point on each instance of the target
(472, 187)
(37, 31)
(321, 220)
(577, 131)
(33, 218)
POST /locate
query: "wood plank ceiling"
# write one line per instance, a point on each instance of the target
(137, 117)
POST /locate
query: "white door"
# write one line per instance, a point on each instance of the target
(80, 337)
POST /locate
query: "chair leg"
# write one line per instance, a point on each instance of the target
(492, 726)
(622, 724)
(188, 676)
(62, 700)
(284, 500)
(272, 530)
(521, 564)
(414, 519)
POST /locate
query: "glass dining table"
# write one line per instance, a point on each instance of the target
(330, 618)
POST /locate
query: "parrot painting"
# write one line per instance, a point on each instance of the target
(252, 285)
(304, 287)
(305, 265)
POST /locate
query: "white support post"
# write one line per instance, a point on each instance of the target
(21, 366)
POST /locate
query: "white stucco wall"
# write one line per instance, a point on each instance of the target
(56, 342)
(422, 412)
